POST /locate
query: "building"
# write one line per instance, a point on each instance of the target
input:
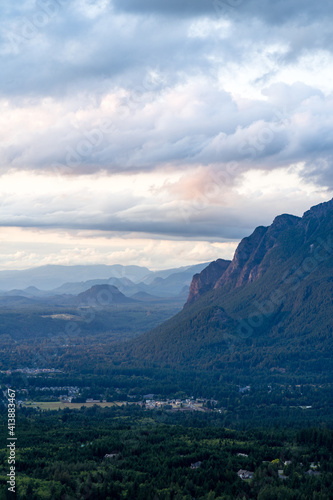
(245, 474)
(111, 455)
(196, 465)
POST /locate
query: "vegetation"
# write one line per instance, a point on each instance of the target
(257, 354)
(281, 319)
(62, 455)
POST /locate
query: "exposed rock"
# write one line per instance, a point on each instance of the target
(271, 308)
(247, 264)
(320, 210)
(206, 280)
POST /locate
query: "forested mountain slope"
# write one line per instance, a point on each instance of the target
(271, 308)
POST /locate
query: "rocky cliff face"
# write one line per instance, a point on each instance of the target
(206, 280)
(247, 264)
(252, 256)
(319, 211)
(272, 305)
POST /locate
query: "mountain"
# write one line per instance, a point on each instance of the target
(270, 308)
(60, 280)
(31, 291)
(173, 284)
(123, 284)
(207, 279)
(161, 284)
(52, 276)
(16, 301)
(145, 297)
(247, 264)
(101, 296)
(187, 271)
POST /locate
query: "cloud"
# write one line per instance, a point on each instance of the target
(198, 97)
(205, 91)
(193, 206)
(22, 249)
(278, 12)
(185, 126)
(56, 48)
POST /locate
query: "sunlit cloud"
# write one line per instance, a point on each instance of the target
(137, 129)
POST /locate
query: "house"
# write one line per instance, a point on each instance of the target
(111, 455)
(281, 475)
(244, 389)
(312, 473)
(196, 465)
(242, 455)
(245, 474)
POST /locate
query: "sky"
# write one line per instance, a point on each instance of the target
(159, 133)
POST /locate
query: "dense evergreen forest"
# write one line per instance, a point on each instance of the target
(128, 453)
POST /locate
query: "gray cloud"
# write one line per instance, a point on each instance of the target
(143, 86)
(168, 7)
(188, 127)
(278, 12)
(73, 48)
(196, 206)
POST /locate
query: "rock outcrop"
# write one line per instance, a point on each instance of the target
(248, 262)
(207, 279)
(271, 306)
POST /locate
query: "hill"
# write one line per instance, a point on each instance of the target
(52, 276)
(101, 296)
(269, 310)
(62, 280)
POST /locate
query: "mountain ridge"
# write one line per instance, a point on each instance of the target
(101, 296)
(206, 280)
(271, 307)
(57, 280)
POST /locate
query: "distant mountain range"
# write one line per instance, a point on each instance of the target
(45, 282)
(53, 276)
(270, 308)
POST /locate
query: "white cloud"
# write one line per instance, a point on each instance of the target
(26, 248)
(170, 120)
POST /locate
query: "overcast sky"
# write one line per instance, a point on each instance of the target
(159, 133)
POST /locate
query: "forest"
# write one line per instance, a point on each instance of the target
(128, 453)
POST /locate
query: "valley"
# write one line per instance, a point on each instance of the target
(220, 373)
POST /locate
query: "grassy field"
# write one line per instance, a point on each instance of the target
(58, 405)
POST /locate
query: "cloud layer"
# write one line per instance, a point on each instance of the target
(201, 96)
